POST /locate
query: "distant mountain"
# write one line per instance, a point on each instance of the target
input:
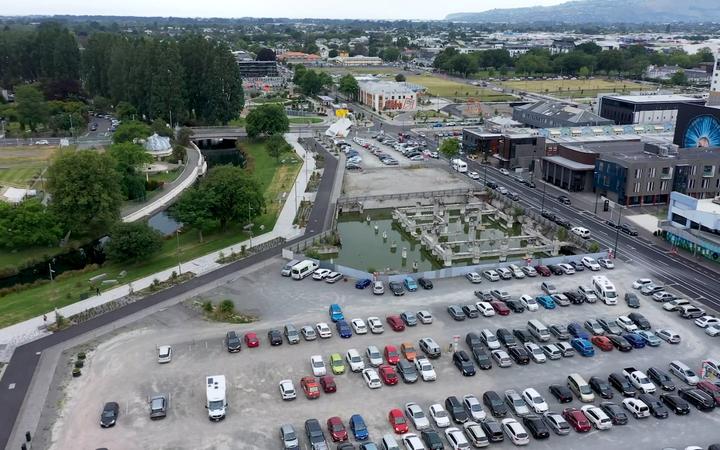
(602, 11)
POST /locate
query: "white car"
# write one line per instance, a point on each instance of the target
(590, 263)
(536, 353)
(548, 287)
(606, 263)
(474, 175)
(378, 288)
(321, 274)
(552, 351)
(374, 356)
(626, 324)
(456, 439)
(706, 321)
(516, 403)
(417, 416)
(637, 407)
(668, 335)
(375, 325)
(425, 317)
(411, 441)
(473, 407)
(535, 401)
(164, 354)
(638, 284)
(515, 432)
(287, 390)
(674, 305)
(501, 358)
(529, 302)
(323, 330)
(485, 309)
(42, 142)
(333, 277)
(425, 368)
(529, 271)
(473, 277)
(354, 360)
(318, 365)
(491, 275)
(359, 326)
(504, 171)
(597, 417)
(567, 268)
(713, 330)
(475, 434)
(663, 296)
(439, 415)
(371, 378)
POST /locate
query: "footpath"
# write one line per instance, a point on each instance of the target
(15, 335)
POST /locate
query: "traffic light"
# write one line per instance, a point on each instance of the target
(606, 205)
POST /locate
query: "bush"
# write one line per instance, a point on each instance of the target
(208, 306)
(152, 185)
(227, 306)
(594, 247)
(81, 356)
(79, 364)
(76, 373)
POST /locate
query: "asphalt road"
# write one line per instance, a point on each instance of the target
(20, 369)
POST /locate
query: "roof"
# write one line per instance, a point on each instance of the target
(665, 98)
(569, 163)
(564, 112)
(385, 88)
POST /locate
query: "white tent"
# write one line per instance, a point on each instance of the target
(16, 195)
(158, 146)
(341, 128)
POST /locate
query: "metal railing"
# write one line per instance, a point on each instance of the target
(402, 196)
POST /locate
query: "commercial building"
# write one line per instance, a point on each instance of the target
(693, 225)
(697, 126)
(260, 75)
(642, 109)
(560, 46)
(694, 76)
(545, 114)
(387, 96)
(306, 59)
(358, 60)
(714, 97)
(512, 150)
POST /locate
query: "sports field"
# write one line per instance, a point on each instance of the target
(455, 91)
(19, 166)
(577, 88)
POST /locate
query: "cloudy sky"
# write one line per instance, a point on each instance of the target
(365, 9)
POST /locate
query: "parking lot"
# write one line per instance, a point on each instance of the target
(123, 367)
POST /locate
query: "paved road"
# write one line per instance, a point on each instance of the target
(21, 367)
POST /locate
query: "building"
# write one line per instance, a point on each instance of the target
(693, 225)
(261, 75)
(306, 59)
(560, 46)
(642, 109)
(512, 150)
(697, 126)
(241, 55)
(387, 96)
(545, 114)
(358, 60)
(714, 98)
(694, 76)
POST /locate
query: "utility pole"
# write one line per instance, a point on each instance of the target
(542, 206)
(177, 236)
(617, 231)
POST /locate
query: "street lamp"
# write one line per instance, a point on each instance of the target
(617, 231)
(542, 204)
(177, 236)
(249, 224)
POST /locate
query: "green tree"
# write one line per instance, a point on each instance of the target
(32, 109)
(194, 210)
(679, 78)
(132, 242)
(349, 86)
(298, 73)
(265, 54)
(267, 120)
(28, 224)
(333, 53)
(276, 146)
(125, 111)
(584, 72)
(391, 54)
(130, 131)
(184, 136)
(161, 128)
(129, 158)
(85, 191)
(400, 78)
(450, 148)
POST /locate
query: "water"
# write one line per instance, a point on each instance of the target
(163, 223)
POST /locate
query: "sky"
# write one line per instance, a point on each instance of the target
(334, 9)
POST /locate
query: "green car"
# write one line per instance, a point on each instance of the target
(337, 364)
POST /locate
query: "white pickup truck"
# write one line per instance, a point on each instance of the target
(638, 379)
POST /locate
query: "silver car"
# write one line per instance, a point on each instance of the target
(289, 438)
(308, 333)
(557, 423)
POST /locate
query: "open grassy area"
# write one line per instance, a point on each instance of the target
(456, 91)
(576, 88)
(168, 176)
(20, 165)
(275, 177)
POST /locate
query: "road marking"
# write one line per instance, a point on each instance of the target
(11, 386)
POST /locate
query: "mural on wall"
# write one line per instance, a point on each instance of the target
(702, 131)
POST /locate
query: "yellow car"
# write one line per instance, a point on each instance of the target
(336, 364)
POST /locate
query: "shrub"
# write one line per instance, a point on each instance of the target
(76, 373)
(79, 364)
(594, 247)
(208, 306)
(227, 306)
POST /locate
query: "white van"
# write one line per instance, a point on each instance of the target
(539, 330)
(582, 232)
(287, 268)
(215, 397)
(303, 269)
(685, 373)
(459, 165)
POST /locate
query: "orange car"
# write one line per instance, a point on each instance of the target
(408, 350)
(311, 387)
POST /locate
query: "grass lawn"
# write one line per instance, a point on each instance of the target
(168, 176)
(580, 87)
(454, 90)
(275, 177)
(18, 165)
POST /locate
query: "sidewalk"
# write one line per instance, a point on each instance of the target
(32, 329)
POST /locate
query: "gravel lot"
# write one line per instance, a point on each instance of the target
(123, 368)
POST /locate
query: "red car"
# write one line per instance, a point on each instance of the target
(577, 420)
(396, 323)
(602, 343)
(388, 374)
(337, 429)
(543, 270)
(251, 340)
(391, 354)
(398, 421)
(311, 387)
(710, 389)
(328, 384)
(500, 307)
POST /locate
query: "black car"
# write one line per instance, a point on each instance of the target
(109, 414)
(564, 199)
(535, 425)
(275, 337)
(563, 222)
(481, 358)
(425, 283)
(560, 332)
(523, 336)
(627, 229)
(619, 382)
(676, 404)
(407, 370)
(456, 312)
(456, 410)
(548, 215)
(519, 354)
(232, 342)
(639, 320)
(473, 340)
(471, 311)
(661, 378)
(345, 446)
(463, 363)
(396, 288)
(615, 413)
(493, 430)
(315, 434)
(562, 393)
(495, 404)
(632, 300)
(697, 398)
(555, 269)
(577, 266)
(610, 223)
(432, 439)
(515, 305)
(619, 342)
(575, 297)
(657, 409)
(601, 387)
(484, 296)
(491, 184)
(505, 337)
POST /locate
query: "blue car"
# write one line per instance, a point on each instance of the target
(343, 329)
(635, 340)
(546, 301)
(363, 283)
(335, 312)
(576, 330)
(358, 427)
(583, 346)
(410, 284)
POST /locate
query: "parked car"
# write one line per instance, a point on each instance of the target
(109, 414)
(396, 323)
(398, 422)
(557, 423)
(577, 420)
(371, 377)
(563, 394)
(456, 312)
(396, 288)
(425, 283)
(615, 413)
(495, 404)
(675, 404)
(516, 403)
(409, 318)
(473, 277)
